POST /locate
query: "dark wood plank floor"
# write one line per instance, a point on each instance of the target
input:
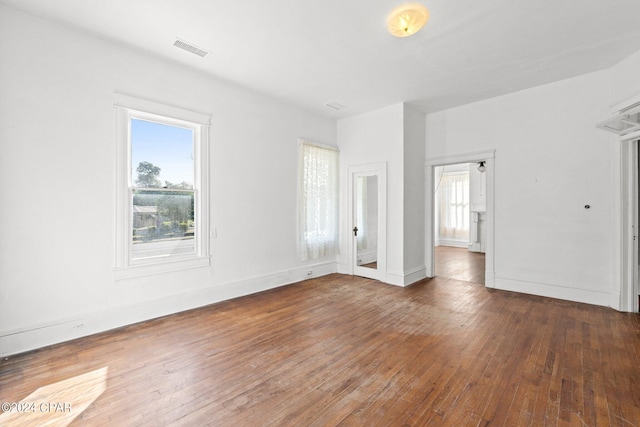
(342, 350)
(459, 264)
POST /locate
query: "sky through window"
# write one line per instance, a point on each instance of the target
(168, 147)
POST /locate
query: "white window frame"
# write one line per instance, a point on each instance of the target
(128, 108)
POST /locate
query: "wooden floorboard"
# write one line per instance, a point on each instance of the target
(459, 264)
(342, 350)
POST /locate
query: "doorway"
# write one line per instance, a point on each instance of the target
(459, 215)
(625, 123)
(480, 233)
(636, 252)
(630, 298)
(368, 220)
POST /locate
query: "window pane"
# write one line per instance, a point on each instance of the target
(163, 223)
(161, 155)
(454, 206)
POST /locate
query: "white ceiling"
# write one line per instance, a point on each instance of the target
(312, 52)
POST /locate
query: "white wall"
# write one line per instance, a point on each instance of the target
(550, 162)
(374, 137)
(394, 135)
(414, 194)
(57, 166)
(624, 79)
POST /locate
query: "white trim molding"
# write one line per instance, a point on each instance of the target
(624, 292)
(586, 296)
(407, 278)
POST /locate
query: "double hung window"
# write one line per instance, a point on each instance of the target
(162, 218)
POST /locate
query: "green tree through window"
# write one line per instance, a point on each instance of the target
(148, 175)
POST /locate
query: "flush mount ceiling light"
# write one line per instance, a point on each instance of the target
(407, 20)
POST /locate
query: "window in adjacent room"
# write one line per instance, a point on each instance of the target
(454, 207)
(317, 200)
(162, 188)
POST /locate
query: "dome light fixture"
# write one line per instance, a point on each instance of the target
(407, 20)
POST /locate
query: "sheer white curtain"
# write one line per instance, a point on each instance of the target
(454, 206)
(317, 201)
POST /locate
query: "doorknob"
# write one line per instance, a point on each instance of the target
(355, 231)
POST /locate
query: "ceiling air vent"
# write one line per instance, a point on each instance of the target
(189, 47)
(336, 106)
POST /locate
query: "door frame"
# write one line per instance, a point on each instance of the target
(379, 170)
(627, 299)
(431, 163)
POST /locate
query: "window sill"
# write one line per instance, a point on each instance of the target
(141, 270)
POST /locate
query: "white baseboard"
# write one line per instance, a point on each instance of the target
(408, 277)
(429, 271)
(60, 330)
(586, 296)
(489, 279)
(614, 301)
(453, 243)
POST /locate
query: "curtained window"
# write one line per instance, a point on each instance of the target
(317, 201)
(454, 206)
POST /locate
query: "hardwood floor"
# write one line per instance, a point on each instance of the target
(459, 264)
(342, 350)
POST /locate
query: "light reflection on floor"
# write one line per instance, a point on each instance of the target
(56, 404)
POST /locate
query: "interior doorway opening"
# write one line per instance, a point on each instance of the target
(627, 299)
(634, 304)
(443, 258)
(636, 252)
(460, 221)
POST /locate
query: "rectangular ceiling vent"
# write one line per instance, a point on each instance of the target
(190, 47)
(336, 106)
